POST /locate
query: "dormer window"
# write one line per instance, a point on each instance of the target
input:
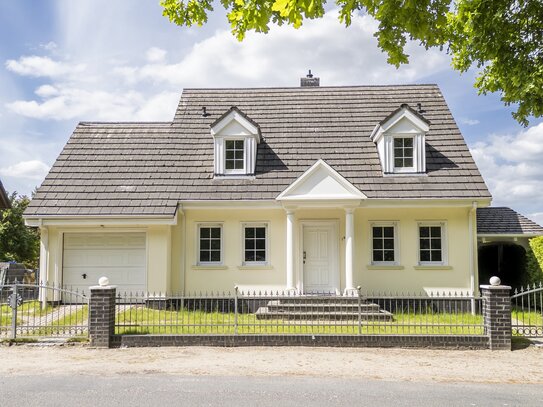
(234, 158)
(236, 138)
(400, 140)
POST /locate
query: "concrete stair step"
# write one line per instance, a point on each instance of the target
(265, 313)
(278, 305)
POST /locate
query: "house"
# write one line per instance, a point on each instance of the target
(304, 189)
(4, 199)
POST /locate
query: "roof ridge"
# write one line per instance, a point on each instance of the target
(316, 88)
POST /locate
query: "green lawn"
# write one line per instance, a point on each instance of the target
(142, 320)
(532, 318)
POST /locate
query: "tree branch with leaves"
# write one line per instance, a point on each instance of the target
(501, 38)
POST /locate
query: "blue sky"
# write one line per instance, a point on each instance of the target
(68, 61)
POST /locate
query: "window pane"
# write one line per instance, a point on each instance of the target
(204, 256)
(260, 244)
(398, 142)
(408, 142)
(249, 244)
(389, 255)
(425, 244)
(389, 244)
(249, 233)
(238, 155)
(377, 231)
(229, 165)
(249, 255)
(377, 244)
(436, 244)
(204, 232)
(388, 231)
(204, 244)
(261, 233)
(435, 231)
(216, 233)
(215, 255)
(229, 154)
(424, 231)
(408, 162)
(216, 244)
(436, 255)
(229, 144)
(239, 144)
(238, 165)
(424, 255)
(260, 255)
(398, 162)
(377, 255)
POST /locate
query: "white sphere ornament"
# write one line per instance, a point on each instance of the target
(103, 281)
(495, 280)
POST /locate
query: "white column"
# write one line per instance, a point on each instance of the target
(349, 243)
(44, 251)
(290, 250)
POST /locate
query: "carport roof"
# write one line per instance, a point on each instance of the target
(505, 221)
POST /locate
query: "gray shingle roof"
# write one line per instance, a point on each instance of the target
(146, 168)
(4, 199)
(505, 221)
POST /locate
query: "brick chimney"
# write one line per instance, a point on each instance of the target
(309, 81)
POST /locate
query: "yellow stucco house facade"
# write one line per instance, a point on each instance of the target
(306, 189)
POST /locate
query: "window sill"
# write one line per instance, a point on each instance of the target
(432, 267)
(384, 267)
(405, 174)
(234, 176)
(209, 267)
(255, 267)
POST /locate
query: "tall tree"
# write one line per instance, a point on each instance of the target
(18, 242)
(502, 38)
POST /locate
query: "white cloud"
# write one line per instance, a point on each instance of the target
(50, 46)
(536, 217)
(512, 165)
(39, 66)
(281, 56)
(155, 54)
(469, 122)
(46, 91)
(33, 169)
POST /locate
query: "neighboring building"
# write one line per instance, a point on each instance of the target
(4, 199)
(306, 189)
(503, 241)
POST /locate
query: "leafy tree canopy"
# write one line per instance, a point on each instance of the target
(17, 241)
(503, 38)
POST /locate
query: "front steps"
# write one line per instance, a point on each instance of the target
(333, 309)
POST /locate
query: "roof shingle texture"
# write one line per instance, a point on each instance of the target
(147, 168)
(505, 221)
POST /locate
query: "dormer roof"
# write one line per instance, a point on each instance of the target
(234, 114)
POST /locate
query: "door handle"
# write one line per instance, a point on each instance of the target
(84, 275)
(305, 256)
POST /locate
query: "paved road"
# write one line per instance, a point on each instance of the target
(166, 390)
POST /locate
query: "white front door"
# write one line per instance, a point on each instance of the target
(320, 257)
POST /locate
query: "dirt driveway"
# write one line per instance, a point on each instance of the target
(520, 366)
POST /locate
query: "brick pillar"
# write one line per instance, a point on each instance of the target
(497, 315)
(102, 315)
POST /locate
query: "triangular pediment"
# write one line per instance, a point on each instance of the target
(235, 123)
(320, 183)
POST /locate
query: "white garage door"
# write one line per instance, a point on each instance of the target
(118, 256)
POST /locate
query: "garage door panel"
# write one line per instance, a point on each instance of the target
(119, 256)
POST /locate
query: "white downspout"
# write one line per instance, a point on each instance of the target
(472, 248)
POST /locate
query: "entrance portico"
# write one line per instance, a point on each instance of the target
(314, 244)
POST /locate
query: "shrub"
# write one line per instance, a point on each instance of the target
(534, 261)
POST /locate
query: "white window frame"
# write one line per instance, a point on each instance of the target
(444, 250)
(209, 225)
(238, 171)
(265, 225)
(395, 225)
(413, 158)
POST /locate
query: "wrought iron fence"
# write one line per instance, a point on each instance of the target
(243, 312)
(30, 310)
(527, 311)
